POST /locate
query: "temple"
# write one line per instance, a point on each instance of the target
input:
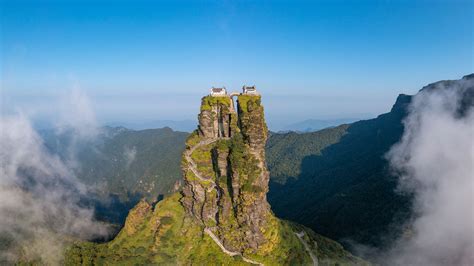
(249, 90)
(218, 91)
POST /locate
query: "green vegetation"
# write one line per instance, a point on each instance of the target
(123, 165)
(203, 159)
(329, 252)
(285, 152)
(251, 120)
(244, 163)
(193, 139)
(177, 229)
(337, 182)
(165, 236)
(248, 102)
(208, 101)
(191, 177)
(126, 162)
(334, 181)
(222, 144)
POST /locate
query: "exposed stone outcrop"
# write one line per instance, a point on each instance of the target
(214, 119)
(252, 122)
(136, 217)
(226, 179)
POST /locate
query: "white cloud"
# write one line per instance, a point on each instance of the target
(76, 113)
(435, 162)
(39, 194)
(129, 154)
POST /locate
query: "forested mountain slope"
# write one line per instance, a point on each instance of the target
(121, 161)
(120, 166)
(338, 182)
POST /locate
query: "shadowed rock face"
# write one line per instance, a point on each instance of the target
(226, 179)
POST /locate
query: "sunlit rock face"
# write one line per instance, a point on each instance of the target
(221, 215)
(226, 178)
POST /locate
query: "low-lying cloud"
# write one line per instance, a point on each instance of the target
(129, 154)
(40, 207)
(435, 162)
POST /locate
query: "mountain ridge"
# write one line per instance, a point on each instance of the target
(222, 214)
(343, 187)
(312, 125)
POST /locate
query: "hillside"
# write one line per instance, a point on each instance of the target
(337, 181)
(221, 215)
(311, 125)
(176, 125)
(121, 165)
(161, 234)
(124, 162)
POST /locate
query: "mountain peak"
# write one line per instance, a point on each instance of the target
(221, 216)
(226, 179)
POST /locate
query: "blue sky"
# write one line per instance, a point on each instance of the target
(144, 60)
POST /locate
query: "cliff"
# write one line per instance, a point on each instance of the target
(226, 179)
(221, 216)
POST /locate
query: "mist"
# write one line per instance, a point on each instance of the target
(40, 209)
(435, 163)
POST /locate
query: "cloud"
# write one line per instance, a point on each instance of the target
(435, 162)
(77, 122)
(129, 154)
(40, 198)
(76, 113)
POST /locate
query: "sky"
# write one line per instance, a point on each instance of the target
(153, 60)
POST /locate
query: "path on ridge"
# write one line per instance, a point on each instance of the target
(306, 246)
(226, 251)
(193, 168)
(192, 164)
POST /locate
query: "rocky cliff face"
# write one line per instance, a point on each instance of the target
(226, 179)
(221, 215)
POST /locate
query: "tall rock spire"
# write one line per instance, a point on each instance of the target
(222, 213)
(226, 179)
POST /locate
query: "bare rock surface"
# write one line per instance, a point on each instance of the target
(226, 179)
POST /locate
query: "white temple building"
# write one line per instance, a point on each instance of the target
(218, 91)
(249, 90)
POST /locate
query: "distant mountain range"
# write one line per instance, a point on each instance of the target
(311, 125)
(177, 125)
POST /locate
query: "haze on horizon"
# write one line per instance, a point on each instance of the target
(143, 61)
